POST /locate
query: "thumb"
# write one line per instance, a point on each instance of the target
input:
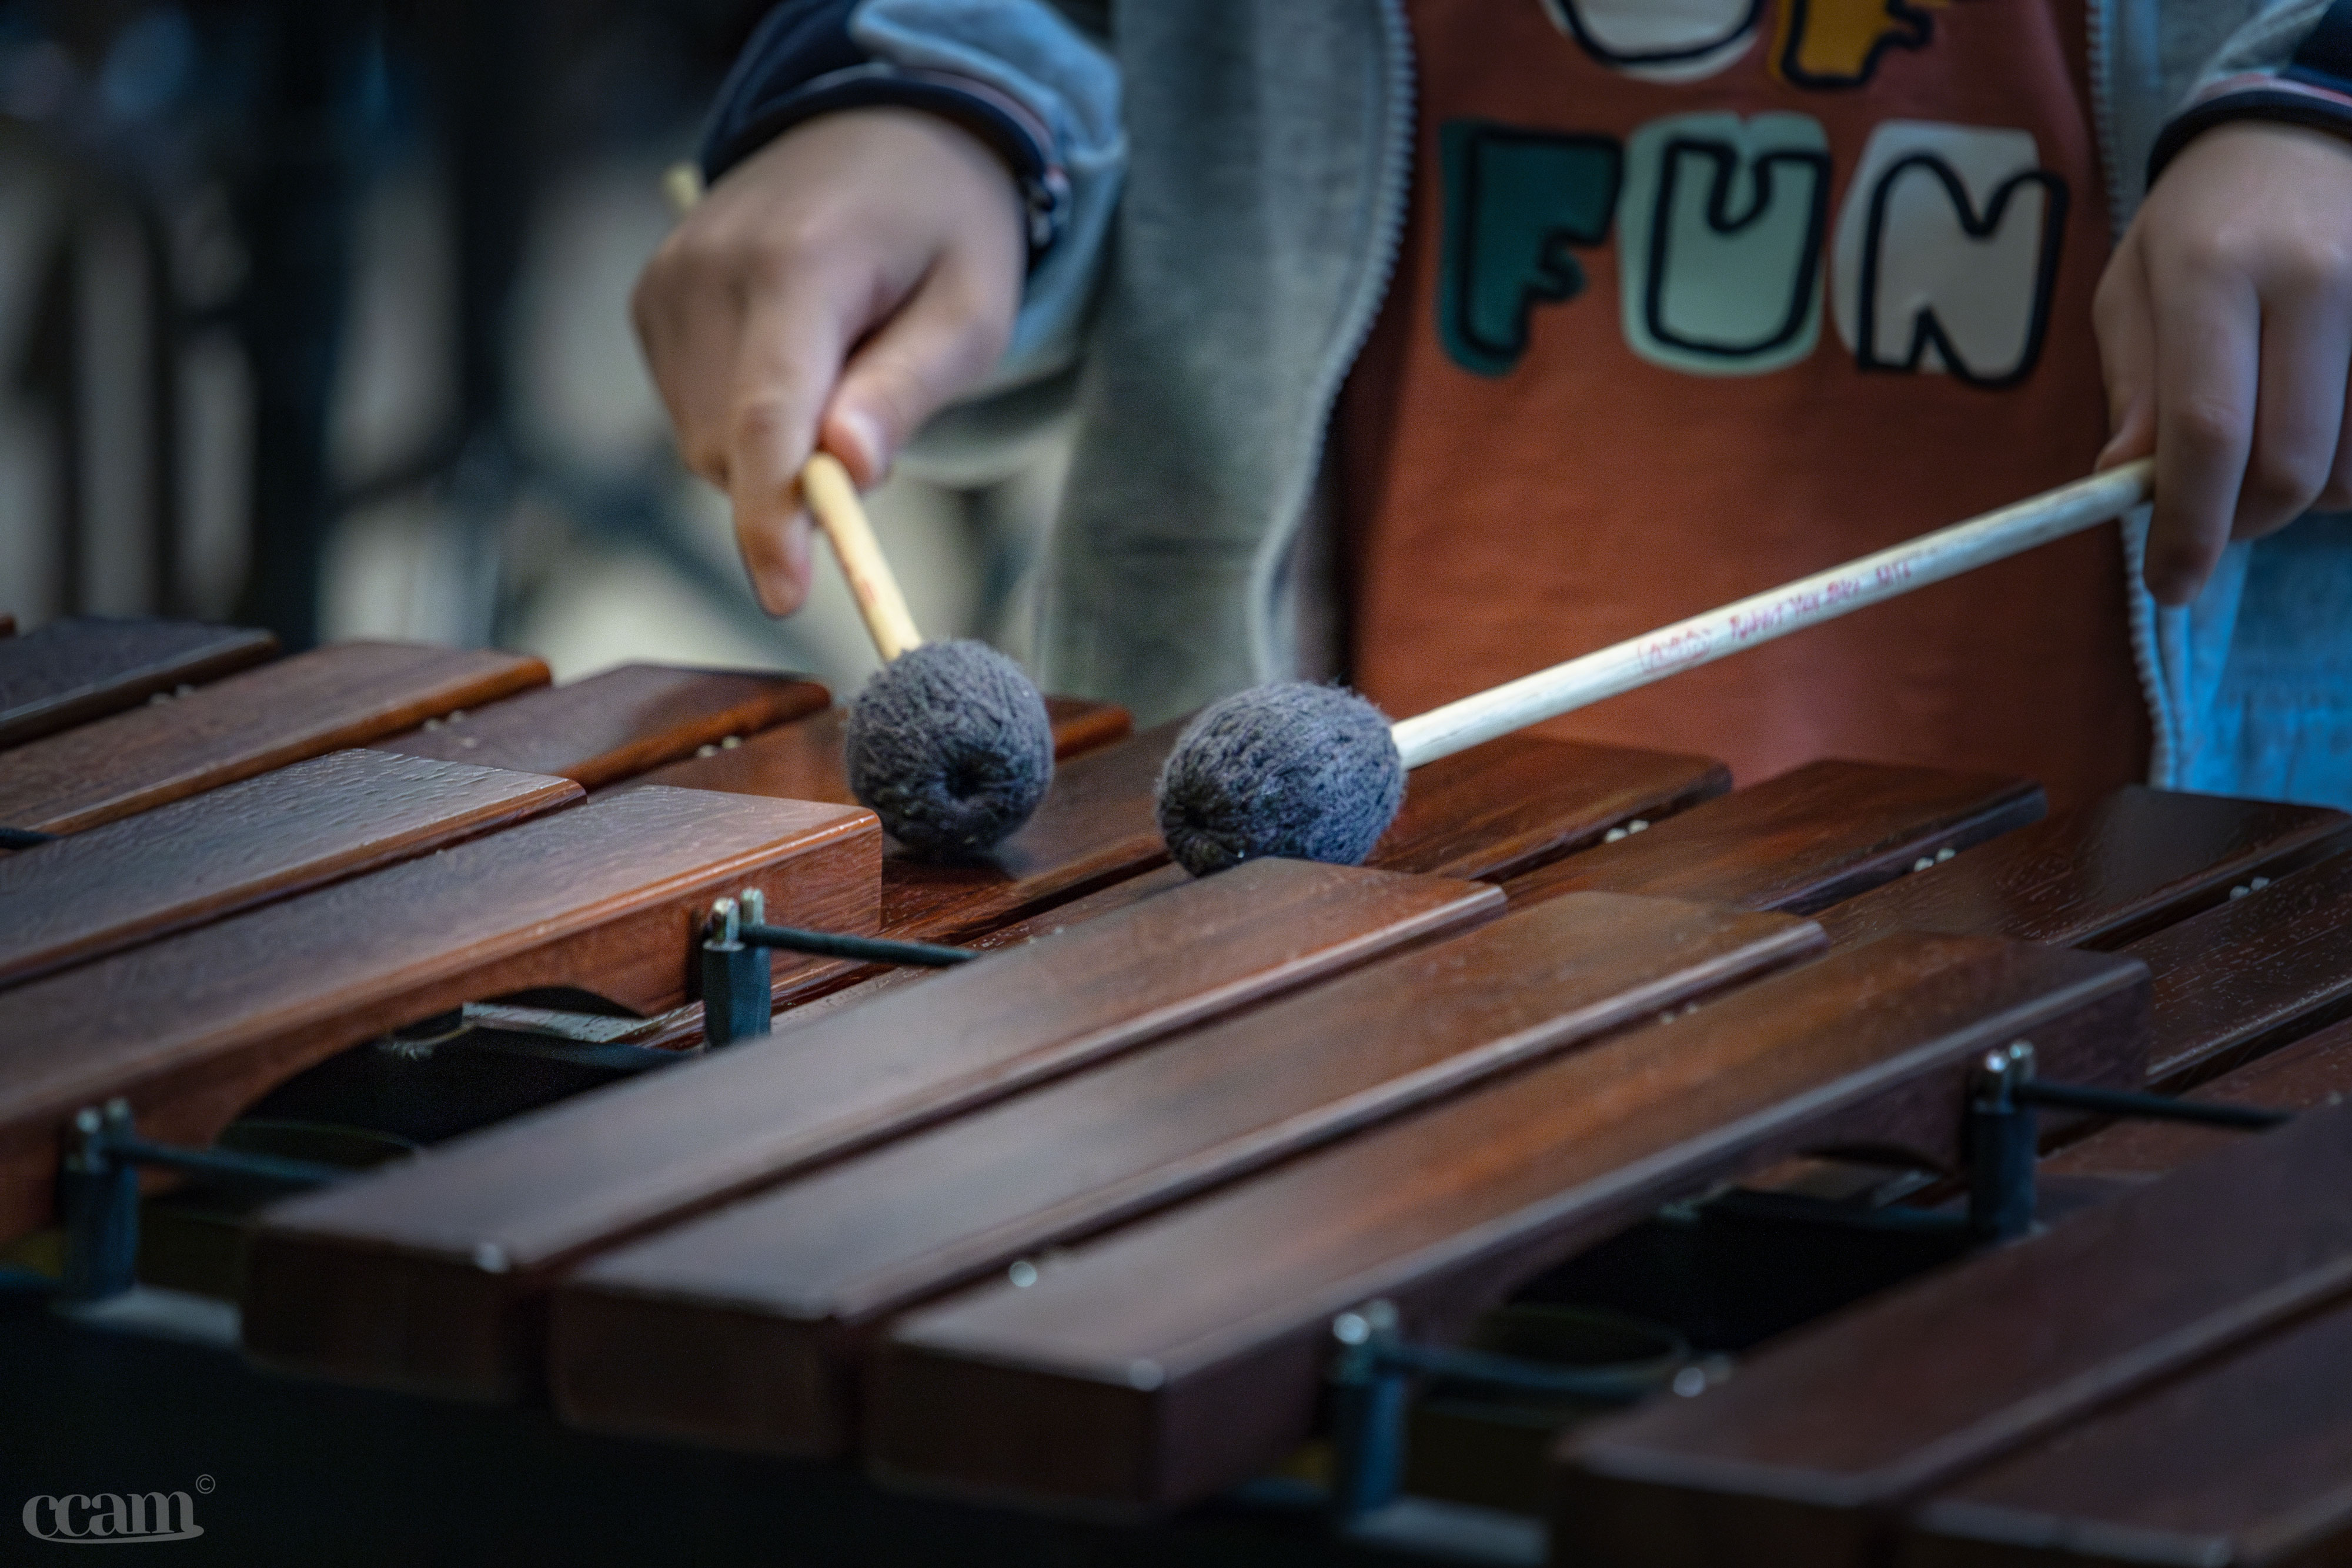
(939, 344)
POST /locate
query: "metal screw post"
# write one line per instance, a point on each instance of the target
(736, 997)
(98, 1198)
(1368, 1412)
(2002, 1142)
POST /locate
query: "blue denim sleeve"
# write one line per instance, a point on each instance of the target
(794, 44)
(1006, 71)
(2312, 88)
(1018, 74)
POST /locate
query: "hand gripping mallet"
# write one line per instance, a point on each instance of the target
(1317, 773)
(950, 743)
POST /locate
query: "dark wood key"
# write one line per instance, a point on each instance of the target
(1094, 827)
(2249, 975)
(608, 897)
(1516, 803)
(246, 724)
(1168, 1360)
(1800, 1458)
(1497, 809)
(70, 672)
(1483, 814)
(1793, 844)
(2314, 1071)
(1082, 725)
(2247, 1461)
(384, 1280)
(803, 761)
(815, 993)
(1802, 841)
(2102, 874)
(745, 1328)
(1494, 809)
(617, 723)
(245, 843)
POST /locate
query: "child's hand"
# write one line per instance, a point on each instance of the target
(887, 238)
(2225, 323)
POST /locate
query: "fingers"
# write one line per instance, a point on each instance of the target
(686, 318)
(945, 338)
(2120, 314)
(2336, 496)
(884, 226)
(794, 391)
(787, 358)
(2205, 322)
(2307, 343)
(772, 530)
(2244, 285)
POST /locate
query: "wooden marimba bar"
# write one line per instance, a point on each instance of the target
(1096, 1223)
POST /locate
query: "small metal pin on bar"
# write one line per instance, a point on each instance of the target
(2004, 1135)
(1368, 1412)
(737, 979)
(98, 1194)
(868, 949)
(1372, 1365)
(737, 1000)
(1515, 1373)
(97, 1199)
(230, 1165)
(2003, 1141)
(2150, 1107)
(1372, 1372)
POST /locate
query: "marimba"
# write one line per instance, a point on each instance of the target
(1183, 1187)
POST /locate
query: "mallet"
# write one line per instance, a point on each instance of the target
(950, 743)
(1316, 773)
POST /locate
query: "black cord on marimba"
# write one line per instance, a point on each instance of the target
(866, 949)
(2150, 1107)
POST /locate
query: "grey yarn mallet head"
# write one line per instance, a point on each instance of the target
(1303, 772)
(1312, 771)
(950, 745)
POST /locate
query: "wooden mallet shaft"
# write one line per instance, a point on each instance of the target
(1705, 638)
(832, 499)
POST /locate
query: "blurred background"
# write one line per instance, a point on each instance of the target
(313, 316)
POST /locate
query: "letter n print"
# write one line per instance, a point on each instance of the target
(1947, 251)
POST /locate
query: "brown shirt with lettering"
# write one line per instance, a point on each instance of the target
(1699, 296)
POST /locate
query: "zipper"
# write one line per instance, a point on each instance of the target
(1356, 326)
(2101, 17)
(2139, 609)
(2163, 746)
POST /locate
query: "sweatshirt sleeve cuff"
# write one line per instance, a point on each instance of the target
(1006, 125)
(2313, 90)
